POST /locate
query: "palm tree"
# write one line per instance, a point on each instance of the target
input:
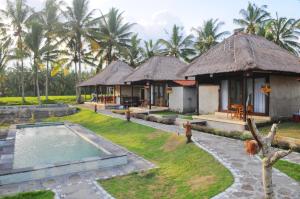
(253, 18)
(151, 49)
(4, 55)
(133, 54)
(79, 22)
(283, 32)
(112, 34)
(34, 42)
(18, 14)
(208, 34)
(49, 17)
(178, 45)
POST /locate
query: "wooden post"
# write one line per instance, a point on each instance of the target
(244, 98)
(269, 156)
(150, 95)
(131, 96)
(121, 95)
(197, 96)
(97, 93)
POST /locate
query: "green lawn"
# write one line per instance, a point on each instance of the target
(185, 171)
(291, 169)
(33, 100)
(285, 129)
(32, 195)
(188, 117)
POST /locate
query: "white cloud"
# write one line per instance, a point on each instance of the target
(157, 26)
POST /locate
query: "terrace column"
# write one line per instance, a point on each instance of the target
(197, 96)
(244, 97)
(131, 95)
(120, 94)
(150, 95)
(97, 93)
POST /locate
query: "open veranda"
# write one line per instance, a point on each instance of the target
(94, 104)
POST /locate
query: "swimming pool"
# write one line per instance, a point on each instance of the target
(42, 150)
(50, 144)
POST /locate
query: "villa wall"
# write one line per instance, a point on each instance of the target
(189, 100)
(285, 96)
(208, 98)
(183, 99)
(176, 99)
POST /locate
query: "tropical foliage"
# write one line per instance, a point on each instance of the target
(253, 18)
(49, 51)
(178, 44)
(209, 35)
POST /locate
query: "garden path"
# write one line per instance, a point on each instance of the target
(230, 152)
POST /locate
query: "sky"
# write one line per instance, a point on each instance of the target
(154, 17)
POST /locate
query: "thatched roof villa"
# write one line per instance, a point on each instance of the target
(248, 71)
(165, 84)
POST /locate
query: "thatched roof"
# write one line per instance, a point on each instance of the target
(242, 52)
(114, 74)
(159, 68)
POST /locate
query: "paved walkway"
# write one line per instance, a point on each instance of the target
(245, 169)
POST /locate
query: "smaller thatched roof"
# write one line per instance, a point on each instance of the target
(242, 52)
(159, 68)
(114, 74)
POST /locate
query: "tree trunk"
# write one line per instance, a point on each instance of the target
(47, 71)
(79, 70)
(37, 84)
(22, 79)
(267, 179)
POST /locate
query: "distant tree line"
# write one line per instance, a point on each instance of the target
(48, 48)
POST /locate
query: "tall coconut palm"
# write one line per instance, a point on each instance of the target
(178, 45)
(283, 32)
(18, 13)
(4, 55)
(113, 34)
(151, 49)
(79, 22)
(133, 54)
(49, 17)
(252, 18)
(34, 42)
(209, 34)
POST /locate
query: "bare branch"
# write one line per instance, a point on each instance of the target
(278, 155)
(272, 133)
(254, 131)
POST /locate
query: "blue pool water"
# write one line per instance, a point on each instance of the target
(36, 146)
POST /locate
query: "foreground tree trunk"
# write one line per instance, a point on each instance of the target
(47, 79)
(269, 156)
(37, 83)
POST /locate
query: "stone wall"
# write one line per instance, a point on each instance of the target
(208, 99)
(17, 114)
(284, 97)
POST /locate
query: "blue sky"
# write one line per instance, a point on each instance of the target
(153, 17)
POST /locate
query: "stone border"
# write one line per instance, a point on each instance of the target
(113, 158)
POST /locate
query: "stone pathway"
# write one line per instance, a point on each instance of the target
(245, 169)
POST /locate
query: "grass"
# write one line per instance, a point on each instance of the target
(166, 113)
(185, 171)
(32, 195)
(291, 169)
(285, 129)
(6, 101)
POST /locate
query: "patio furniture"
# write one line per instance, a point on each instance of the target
(237, 110)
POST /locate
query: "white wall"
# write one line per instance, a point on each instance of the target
(176, 99)
(208, 99)
(183, 100)
(284, 96)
